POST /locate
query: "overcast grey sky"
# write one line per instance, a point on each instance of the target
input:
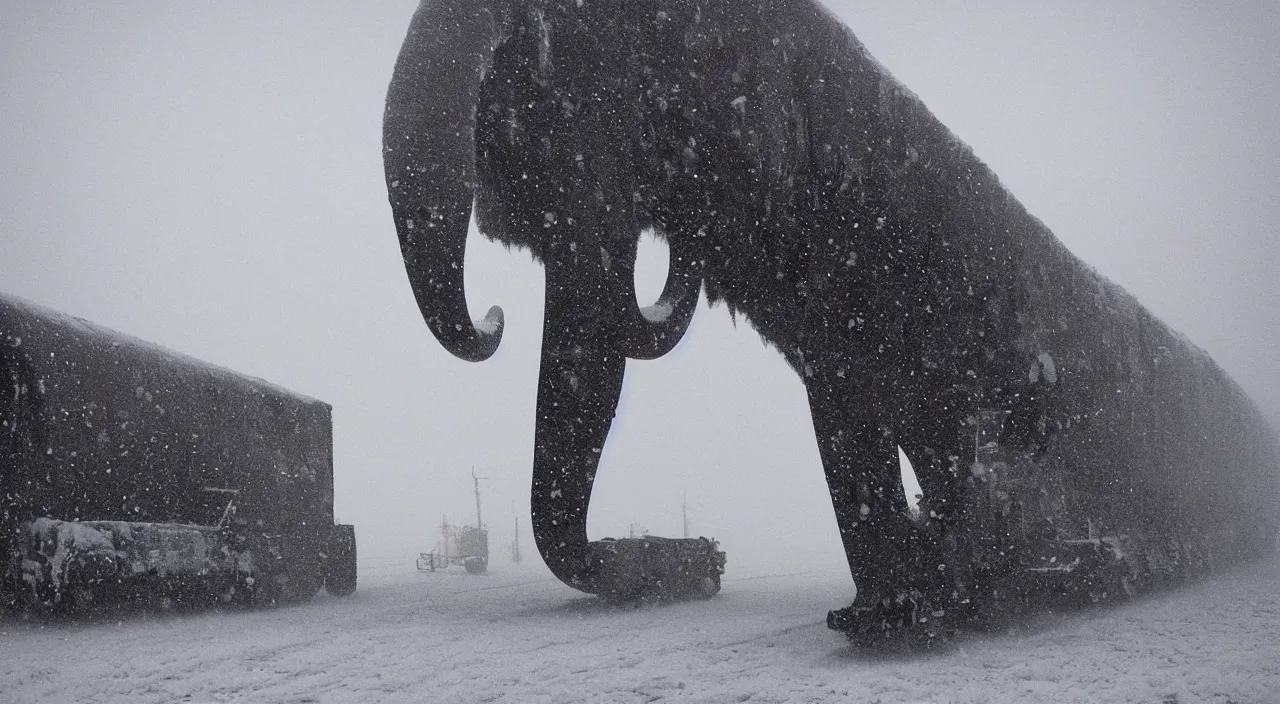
(208, 176)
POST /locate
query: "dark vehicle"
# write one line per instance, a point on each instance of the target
(458, 545)
(466, 545)
(128, 471)
(473, 547)
(684, 567)
(1057, 546)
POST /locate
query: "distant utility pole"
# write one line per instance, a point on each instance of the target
(684, 512)
(474, 478)
(515, 543)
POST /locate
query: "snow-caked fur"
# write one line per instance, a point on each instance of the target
(904, 284)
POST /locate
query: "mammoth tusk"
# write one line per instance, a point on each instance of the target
(430, 172)
(654, 330)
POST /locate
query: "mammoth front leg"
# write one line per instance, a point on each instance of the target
(859, 457)
(894, 564)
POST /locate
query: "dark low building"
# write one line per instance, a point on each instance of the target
(98, 426)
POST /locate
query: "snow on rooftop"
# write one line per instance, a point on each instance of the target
(14, 309)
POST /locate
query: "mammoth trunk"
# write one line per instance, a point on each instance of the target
(578, 388)
(579, 383)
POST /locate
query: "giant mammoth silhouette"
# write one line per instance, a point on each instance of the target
(803, 186)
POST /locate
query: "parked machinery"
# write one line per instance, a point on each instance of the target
(458, 545)
(464, 545)
(1038, 536)
(128, 471)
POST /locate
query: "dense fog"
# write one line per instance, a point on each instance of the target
(209, 178)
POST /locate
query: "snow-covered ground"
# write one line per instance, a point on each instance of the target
(517, 635)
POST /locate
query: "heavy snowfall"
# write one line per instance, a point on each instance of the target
(208, 177)
(518, 635)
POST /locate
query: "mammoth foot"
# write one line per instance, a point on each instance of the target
(924, 591)
(627, 569)
(908, 616)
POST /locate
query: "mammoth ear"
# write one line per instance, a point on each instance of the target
(428, 147)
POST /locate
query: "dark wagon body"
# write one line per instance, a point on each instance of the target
(138, 442)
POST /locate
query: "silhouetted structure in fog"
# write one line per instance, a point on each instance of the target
(130, 471)
(812, 193)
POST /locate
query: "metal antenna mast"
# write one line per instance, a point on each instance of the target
(684, 511)
(474, 478)
(515, 545)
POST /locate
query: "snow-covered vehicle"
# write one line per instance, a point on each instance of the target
(1055, 544)
(130, 471)
(473, 549)
(458, 545)
(650, 565)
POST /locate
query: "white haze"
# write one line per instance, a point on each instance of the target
(208, 176)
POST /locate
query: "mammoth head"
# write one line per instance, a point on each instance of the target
(429, 158)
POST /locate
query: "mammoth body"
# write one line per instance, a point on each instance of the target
(805, 188)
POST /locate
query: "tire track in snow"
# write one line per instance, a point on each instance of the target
(504, 586)
(774, 633)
